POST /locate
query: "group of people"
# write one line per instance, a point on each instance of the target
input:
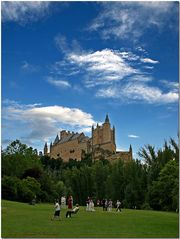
(70, 210)
(107, 205)
(90, 205)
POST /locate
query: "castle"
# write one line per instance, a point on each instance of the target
(69, 145)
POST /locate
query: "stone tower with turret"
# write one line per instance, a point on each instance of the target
(103, 137)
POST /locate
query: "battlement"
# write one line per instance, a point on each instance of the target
(65, 133)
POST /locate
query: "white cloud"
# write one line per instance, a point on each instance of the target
(24, 11)
(125, 20)
(138, 92)
(148, 60)
(148, 94)
(141, 49)
(105, 65)
(172, 85)
(61, 43)
(59, 83)
(71, 116)
(140, 78)
(133, 136)
(116, 74)
(65, 47)
(129, 56)
(149, 67)
(40, 123)
(110, 92)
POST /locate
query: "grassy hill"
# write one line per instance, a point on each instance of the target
(22, 220)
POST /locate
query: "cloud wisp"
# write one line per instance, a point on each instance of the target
(148, 60)
(29, 68)
(138, 92)
(133, 136)
(125, 20)
(105, 66)
(58, 83)
(114, 74)
(24, 11)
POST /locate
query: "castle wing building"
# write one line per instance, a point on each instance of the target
(69, 145)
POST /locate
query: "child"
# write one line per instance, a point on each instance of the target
(57, 210)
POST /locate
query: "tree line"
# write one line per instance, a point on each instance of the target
(149, 183)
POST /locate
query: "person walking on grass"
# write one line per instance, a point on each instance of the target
(110, 205)
(118, 206)
(57, 210)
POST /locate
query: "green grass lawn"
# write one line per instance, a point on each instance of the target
(22, 220)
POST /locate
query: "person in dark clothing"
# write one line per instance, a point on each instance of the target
(73, 211)
(104, 204)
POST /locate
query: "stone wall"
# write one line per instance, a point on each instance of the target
(69, 150)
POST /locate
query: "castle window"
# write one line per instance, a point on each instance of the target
(71, 151)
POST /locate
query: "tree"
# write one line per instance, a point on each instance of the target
(135, 184)
(17, 158)
(162, 183)
(60, 188)
(163, 194)
(16, 147)
(34, 172)
(100, 174)
(9, 187)
(118, 180)
(155, 161)
(87, 159)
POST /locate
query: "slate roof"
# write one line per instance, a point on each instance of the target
(56, 139)
(68, 138)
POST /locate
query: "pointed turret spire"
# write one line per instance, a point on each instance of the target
(56, 139)
(130, 148)
(107, 119)
(45, 149)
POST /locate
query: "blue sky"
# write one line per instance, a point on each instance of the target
(66, 64)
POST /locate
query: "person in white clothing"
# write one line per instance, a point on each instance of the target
(63, 201)
(110, 205)
(91, 206)
(57, 210)
(118, 206)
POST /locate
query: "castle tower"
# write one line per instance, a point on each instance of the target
(106, 128)
(130, 152)
(104, 137)
(45, 149)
